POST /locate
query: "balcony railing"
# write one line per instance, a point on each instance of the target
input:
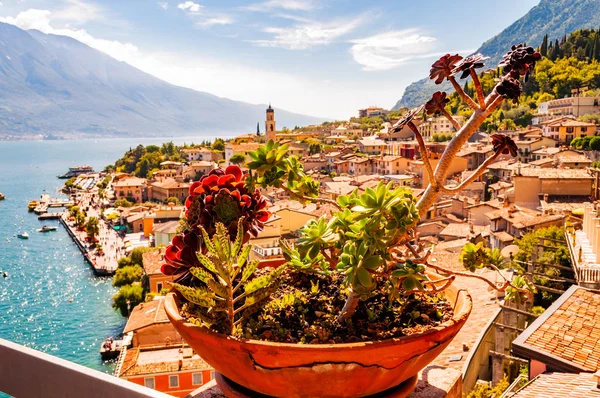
(25, 372)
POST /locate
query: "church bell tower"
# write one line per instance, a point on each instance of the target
(270, 128)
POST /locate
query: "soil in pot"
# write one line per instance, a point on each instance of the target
(305, 307)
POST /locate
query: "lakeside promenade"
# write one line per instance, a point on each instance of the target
(112, 243)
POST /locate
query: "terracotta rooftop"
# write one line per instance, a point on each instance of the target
(556, 173)
(556, 385)
(130, 182)
(146, 362)
(462, 230)
(152, 261)
(146, 314)
(170, 183)
(567, 335)
(523, 217)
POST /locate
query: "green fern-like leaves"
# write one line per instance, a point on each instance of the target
(223, 281)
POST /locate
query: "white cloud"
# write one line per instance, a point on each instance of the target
(164, 5)
(211, 21)
(78, 12)
(392, 49)
(301, 37)
(190, 7)
(41, 20)
(295, 5)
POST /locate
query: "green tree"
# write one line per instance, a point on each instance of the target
(127, 298)
(238, 159)
(91, 228)
(124, 262)
(123, 203)
(218, 145)
(136, 254)
(127, 275)
(595, 144)
(172, 199)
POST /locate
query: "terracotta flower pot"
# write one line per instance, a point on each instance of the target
(321, 370)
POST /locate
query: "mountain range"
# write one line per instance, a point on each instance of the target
(552, 17)
(57, 85)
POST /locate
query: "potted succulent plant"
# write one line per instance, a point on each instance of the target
(357, 308)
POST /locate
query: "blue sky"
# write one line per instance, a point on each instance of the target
(323, 58)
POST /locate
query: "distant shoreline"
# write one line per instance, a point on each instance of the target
(166, 138)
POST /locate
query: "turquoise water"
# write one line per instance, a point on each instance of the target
(51, 300)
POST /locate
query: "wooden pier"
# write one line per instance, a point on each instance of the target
(50, 216)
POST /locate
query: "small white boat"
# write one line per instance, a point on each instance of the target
(46, 228)
(23, 235)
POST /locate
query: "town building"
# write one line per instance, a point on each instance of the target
(438, 124)
(575, 106)
(197, 154)
(512, 222)
(165, 232)
(239, 149)
(160, 191)
(159, 358)
(153, 279)
(372, 145)
(371, 111)
(534, 184)
(389, 165)
(565, 130)
(133, 189)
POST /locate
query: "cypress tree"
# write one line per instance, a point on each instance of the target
(544, 46)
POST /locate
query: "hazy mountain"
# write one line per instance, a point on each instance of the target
(553, 17)
(55, 84)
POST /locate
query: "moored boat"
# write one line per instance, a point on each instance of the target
(32, 205)
(2, 197)
(46, 228)
(23, 235)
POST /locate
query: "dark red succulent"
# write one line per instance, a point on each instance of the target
(406, 118)
(468, 64)
(437, 103)
(220, 196)
(223, 197)
(520, 61)
(510, 88)
(505, 144)
(442, 68)
(180, 255)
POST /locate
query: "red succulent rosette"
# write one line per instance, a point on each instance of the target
(505, 144)
(180, 255)
(510, 88)
(468, 64)
(437, 103)
(220, 196)
(442, 68)
(405, 119)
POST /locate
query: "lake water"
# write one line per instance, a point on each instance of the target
(51, 300)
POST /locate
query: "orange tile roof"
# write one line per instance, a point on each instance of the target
(152, 261)
(572, 385)
(146, 314)
(148, 362)
(567, 335)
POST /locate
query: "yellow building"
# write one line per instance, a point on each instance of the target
(566, 130)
